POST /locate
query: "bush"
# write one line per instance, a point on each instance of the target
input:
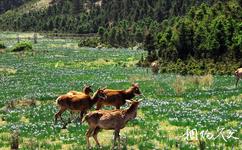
(196, 67)
(2, 46)
(89, 42)
(22, 46)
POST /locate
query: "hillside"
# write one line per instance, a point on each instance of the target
(84, 16)
(6, 5)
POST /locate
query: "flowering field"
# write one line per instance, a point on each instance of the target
(177, 112)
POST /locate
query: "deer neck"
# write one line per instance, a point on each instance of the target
(129, 94)
(94, 98)
(86, 91)
(131, 113)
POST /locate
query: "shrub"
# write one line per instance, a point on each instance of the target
(22, 46)
(89, 42)
(179, 85)
(2, 46)
(206, 80)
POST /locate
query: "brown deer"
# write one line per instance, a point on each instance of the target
(117, 97)
(86, 90)
(155, 67)
(78, 103)
(109, 120)
(238, 75)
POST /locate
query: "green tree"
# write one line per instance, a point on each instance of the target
(149, 45)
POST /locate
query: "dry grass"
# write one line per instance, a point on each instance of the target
(139, 77)
(182, 83)
(2, 122)
(171, 129)
(202, 81)
(36, 5)
(179, 85)
(42, 4)
(232, 124)
(24, 120)
(8, 70)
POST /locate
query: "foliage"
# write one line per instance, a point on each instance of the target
(81, 16)
(89, 42)
(205, 32)
(22, 46)
(199, 67)
(2, 45)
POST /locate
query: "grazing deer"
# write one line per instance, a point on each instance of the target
(86, 90)
(238, 75)
(109, 120)
(117, 97)
(155, 67)
(78, 103)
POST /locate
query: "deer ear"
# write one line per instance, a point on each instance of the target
(140, 100)
(129, 101)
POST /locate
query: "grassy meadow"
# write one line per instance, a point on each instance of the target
(172, 104)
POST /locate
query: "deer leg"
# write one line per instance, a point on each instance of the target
(116, 135)
(118, 107)
(237, 82)
(58, 114)
(71, 117)
(88, 134)
(99, 105)
(81, 116)
(97, 129)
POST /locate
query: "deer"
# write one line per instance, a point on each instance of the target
(238, 75)
(78, 103)
(109, 120)
(155, 67)
(117, 97)
(86, 90)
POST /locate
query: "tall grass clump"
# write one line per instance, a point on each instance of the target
(2, 45)
(183, 83)
(22, 46)
(179, 85)
(15, 140)
(206, 80)
(89, 42)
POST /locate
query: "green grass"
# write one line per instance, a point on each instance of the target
(171, 104)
